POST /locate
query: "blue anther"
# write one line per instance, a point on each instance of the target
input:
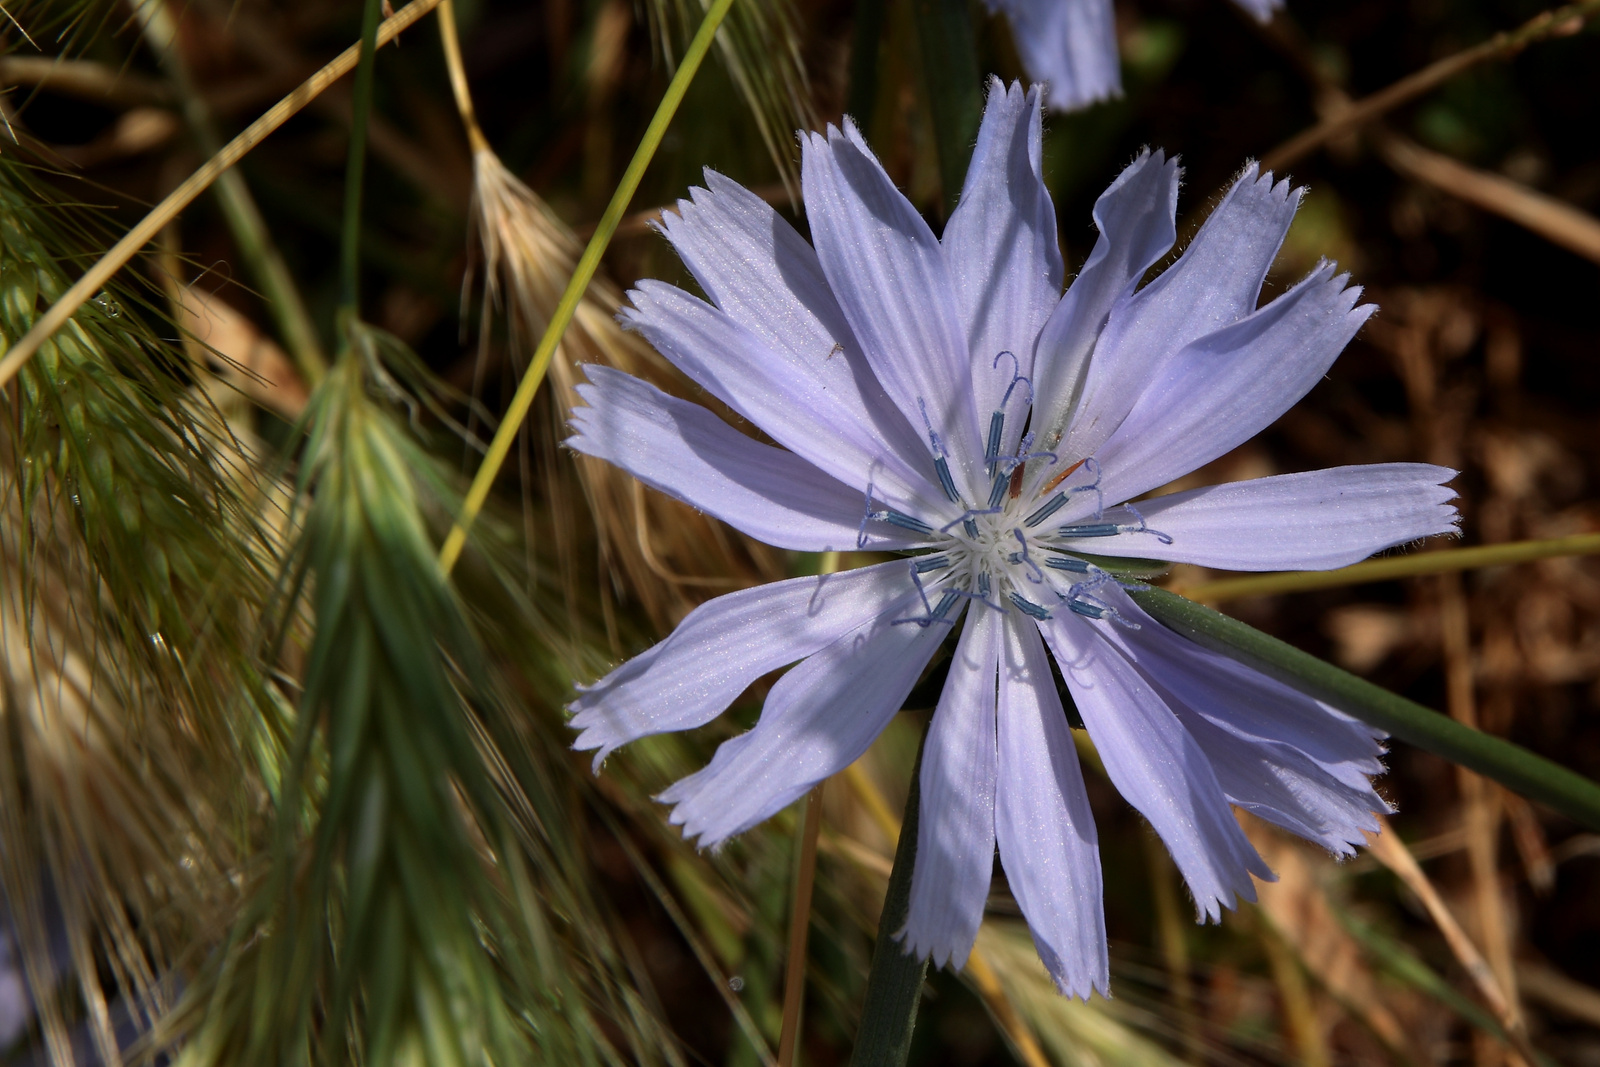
(937, 614)
(931, 563)
(997, 492)
(1086, 609)
(997, 424)
(1049, 508)
(1067, 563)
(904, 521)
(1091, 529)
(970, 527)
(1030, 608)
(983, 583)
(941, 467)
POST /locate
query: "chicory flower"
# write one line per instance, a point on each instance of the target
(942, 399)
(1071, 45)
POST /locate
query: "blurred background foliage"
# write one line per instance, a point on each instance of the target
(270, 791)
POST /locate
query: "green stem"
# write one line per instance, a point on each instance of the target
(239, 210)
(584, 273)
(1511, 765)
(953, 85)
(1383, 570)
(356, 168)
(894, 985)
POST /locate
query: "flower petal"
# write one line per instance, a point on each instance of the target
(755, 268)
(890, 276)
(818, 418)
(1154, 762)
(818, 719)
(1004, 260)
(1071, 44)
(1048, 844)
(955, 824)
(1284, 786)
(1215, 283)
(1290, 759)
(1136, 217)
(685, 451)
(1248, 704)
(1225, 388)
(1311, 521)
(724, 645)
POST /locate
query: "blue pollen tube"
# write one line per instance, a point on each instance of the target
(1067, 563)
(997, 492)
(1050, 507)
(1092, 529)
(1086, 609)
(1030, 608)
(904, 521)
(941, 467)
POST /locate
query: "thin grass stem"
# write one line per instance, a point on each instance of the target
(1384, 570)
(588, 264)
(1554, 23)
(95, 278)
(239, 210)
(794, 977)
(355, 170)
(450, 41)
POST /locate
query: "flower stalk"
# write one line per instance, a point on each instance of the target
(894, 985)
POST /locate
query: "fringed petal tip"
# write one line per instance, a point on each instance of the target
(1079, 983)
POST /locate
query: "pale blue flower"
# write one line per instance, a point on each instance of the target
(943, 399)
(1071, 45)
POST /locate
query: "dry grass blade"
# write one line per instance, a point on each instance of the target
(95, 278)
(1555, 221)
(658, 545)
(1393, 854)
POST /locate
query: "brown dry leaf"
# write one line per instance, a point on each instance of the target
(236, 352)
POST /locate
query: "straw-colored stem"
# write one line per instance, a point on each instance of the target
(1393, 854)
(1383, 570)
(355, 170)
(198, 182)
(451, 43)
(588, 264)
(794, 977)
(1553, 23)
(239, 210)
